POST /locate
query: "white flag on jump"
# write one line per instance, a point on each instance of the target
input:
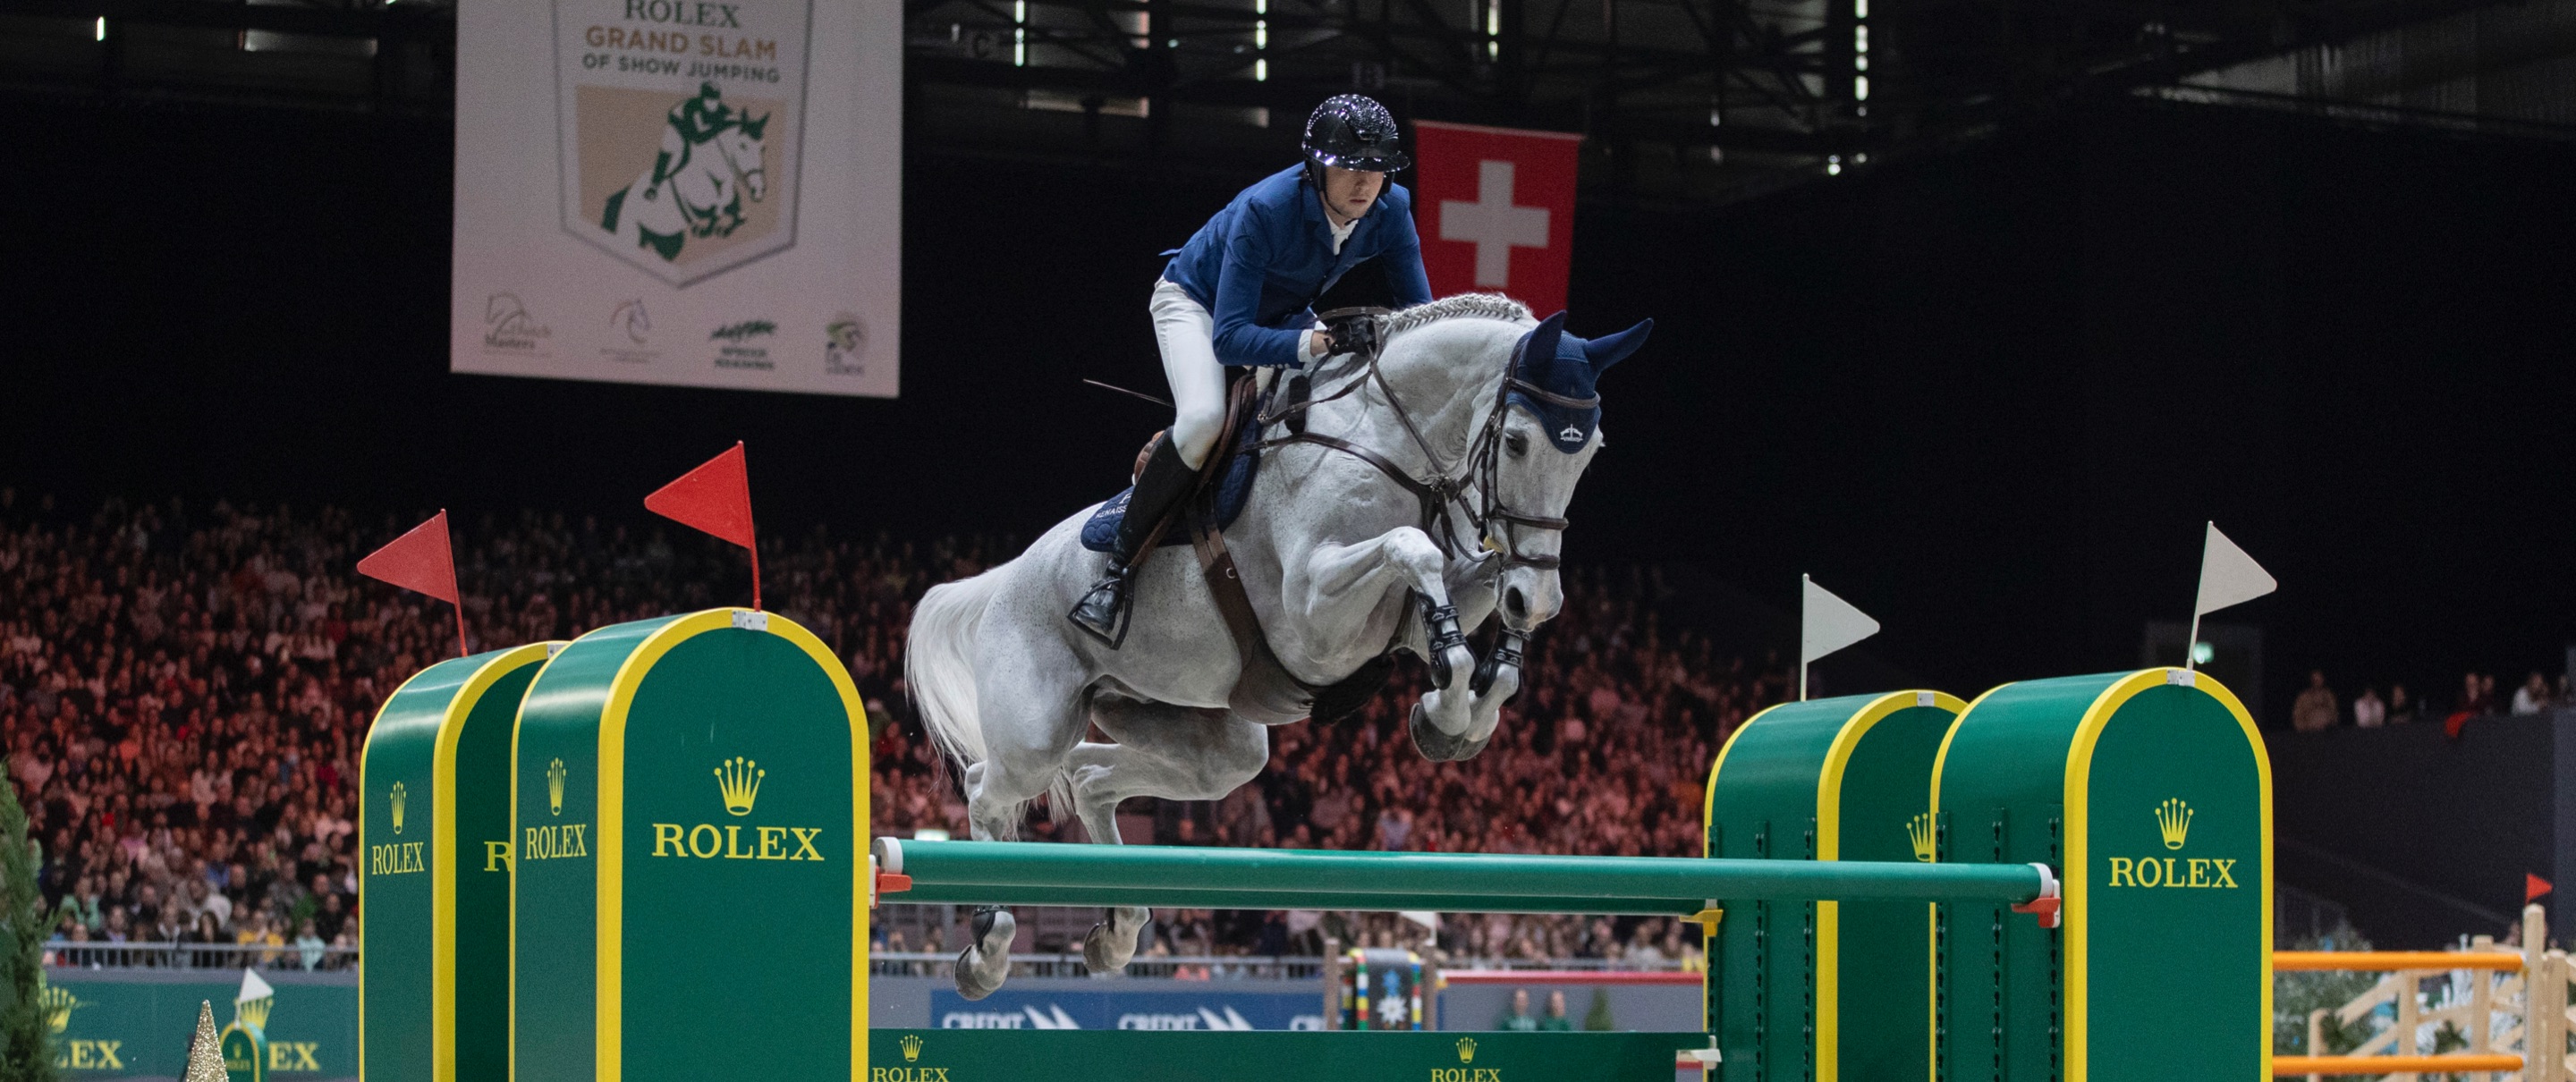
(253, 988)
(1828, 623)
(2228, 576)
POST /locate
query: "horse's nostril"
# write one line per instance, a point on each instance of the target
(1517, 604)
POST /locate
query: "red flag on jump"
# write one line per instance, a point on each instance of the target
(716, 498)
(2533, 887)
(421, 561)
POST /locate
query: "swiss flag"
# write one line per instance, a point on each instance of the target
(1496, 210)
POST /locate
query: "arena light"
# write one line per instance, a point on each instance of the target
(2201, 652)
(1019, 33)
(102, 28)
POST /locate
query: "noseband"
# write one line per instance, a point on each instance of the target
(1449, 488)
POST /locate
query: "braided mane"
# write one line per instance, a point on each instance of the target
(1462, 306)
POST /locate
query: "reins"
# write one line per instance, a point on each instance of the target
(1480, 470)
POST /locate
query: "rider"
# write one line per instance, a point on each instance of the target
(1240, 294)
(694, 120)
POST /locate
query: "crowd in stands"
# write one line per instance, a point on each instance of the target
(185, 689)
(2317, 708)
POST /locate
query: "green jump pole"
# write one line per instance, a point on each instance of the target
(921, 893)
(1011, 873)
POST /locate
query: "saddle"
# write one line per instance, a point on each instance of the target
(1225, 479)
(1264, 692)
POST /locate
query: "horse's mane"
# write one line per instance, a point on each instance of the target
(1462, 306)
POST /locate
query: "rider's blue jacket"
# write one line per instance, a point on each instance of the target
(1263, 260)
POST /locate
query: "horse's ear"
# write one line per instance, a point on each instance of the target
(1612, 349)
(1541, 343)
(755, 127)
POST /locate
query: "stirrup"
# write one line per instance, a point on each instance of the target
(1110, 629)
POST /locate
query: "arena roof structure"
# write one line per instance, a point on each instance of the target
(1681, 101)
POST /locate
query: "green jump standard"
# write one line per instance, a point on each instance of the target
(435, 886)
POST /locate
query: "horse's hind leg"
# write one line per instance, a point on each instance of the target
(1029, 695)
(1178, 753)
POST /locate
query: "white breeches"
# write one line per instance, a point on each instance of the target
(1187, 335)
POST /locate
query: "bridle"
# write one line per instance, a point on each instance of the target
(1449, 488)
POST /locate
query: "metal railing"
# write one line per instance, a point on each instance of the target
(1232, 966)
(207, 956)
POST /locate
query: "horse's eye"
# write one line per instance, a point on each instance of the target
(1517, 444)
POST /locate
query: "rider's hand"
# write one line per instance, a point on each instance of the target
(1320, 343)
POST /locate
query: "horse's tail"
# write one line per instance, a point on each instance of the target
(939, 663)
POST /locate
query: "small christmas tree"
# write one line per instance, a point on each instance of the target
(1598, 1019)
(205, 1053)
(25, 1055)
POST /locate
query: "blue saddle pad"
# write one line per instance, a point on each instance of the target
(1233, 490)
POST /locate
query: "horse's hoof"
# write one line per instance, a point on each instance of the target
(986, 961)
(971, 984)
(1100, 950)
(1440, 747)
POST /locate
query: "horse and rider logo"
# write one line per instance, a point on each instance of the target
(683, 166)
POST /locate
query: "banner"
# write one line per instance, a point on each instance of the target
(135, 1023)
(700, 192)
(1215, 1008)
(1496, 211)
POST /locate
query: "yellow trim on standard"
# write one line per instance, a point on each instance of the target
(1829, 835)
(1932, 937)
(442, 843)
(2078, 796)
(609, 990)
(859, 865)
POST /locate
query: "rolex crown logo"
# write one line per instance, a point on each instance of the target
(739, 780)
(911, 1047)
(254, 1011)
(1919, 830)
(554, 787)
(58, 1004)
(2173, 817)
(1466, 1050)
(399, 796)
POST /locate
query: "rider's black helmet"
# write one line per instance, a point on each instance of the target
(1353, 131)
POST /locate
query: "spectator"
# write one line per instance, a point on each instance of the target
(309, 945)
(2477, 700)
(2532, 697)
(1518, 1019)
(2314, 710)
(1556, 1020)
(2401, 708)
(2368, 712)
(209, 934)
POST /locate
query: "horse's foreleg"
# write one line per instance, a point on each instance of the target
(1177, 753)
(1339, 586)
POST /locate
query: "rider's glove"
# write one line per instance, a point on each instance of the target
(1355, 333)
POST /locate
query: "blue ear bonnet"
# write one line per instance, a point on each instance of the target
(1564, 371)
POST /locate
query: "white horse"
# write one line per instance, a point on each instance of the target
(1344, 561)
(701, 198)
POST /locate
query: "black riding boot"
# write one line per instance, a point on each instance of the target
(1102, 612)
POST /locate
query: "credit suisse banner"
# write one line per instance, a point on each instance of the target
(701, 192)
(1217, 1008)
(1496, 211)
